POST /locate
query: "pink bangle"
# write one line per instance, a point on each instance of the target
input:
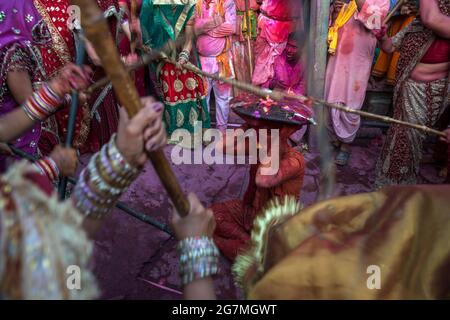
(48, 168)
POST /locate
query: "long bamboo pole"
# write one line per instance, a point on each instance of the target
(97, 31)
(281, 95)
(277, 95)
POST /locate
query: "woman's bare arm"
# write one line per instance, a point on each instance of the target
(16, 122)
(387, 46)
(19, 84)
(434, 19)
(201, 289)
(13, 124)
(188, 43)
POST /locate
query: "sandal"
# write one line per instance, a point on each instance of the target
(342, 158)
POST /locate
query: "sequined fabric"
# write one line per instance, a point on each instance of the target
(41, 242)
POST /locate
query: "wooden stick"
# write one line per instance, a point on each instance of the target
(369, 115)
(98, 33)
(280, 95)
(145, 59)
(393, 11)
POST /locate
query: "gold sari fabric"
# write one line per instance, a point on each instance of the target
(328, 251)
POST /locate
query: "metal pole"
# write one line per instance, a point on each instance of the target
(120, 205)
(80, 49)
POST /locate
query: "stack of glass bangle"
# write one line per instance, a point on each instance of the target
(43, 103)
(103, 181)
(48, 167)
(199, 258)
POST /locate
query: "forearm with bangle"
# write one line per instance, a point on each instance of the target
(103, 181)
(47, 167)
(42, 104)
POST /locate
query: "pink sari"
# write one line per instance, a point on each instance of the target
(277, 20)
(348, 71)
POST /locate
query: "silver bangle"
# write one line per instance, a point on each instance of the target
(199, 258)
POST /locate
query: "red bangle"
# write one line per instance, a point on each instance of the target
(42, 103)
(49, 168)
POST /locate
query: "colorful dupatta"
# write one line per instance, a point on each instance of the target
(183, 92)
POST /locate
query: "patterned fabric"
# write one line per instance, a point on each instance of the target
(420, 103)
(161, 21)
(59, 53)
(184, 95)
(415, 102)
(62, 49)
(21, 32)
(444, 5)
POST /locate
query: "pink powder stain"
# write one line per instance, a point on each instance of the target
(347, 43)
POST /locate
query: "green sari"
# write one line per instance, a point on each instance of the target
(183, 92)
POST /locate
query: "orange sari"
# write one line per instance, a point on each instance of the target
(386, 64)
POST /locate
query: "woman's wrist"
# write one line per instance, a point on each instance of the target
(57, 89)
(43, 103)
(199, 259)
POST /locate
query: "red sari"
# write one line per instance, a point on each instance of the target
(61, 51)
(103, 103)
